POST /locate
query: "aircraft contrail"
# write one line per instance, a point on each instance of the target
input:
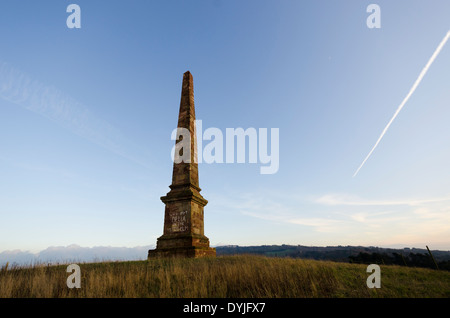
(411, 91)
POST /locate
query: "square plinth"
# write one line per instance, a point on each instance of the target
(192, 252)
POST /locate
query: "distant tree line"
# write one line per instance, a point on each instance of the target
(412, 260)
(353, 254)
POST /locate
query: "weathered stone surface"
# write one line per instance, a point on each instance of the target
(183, 234)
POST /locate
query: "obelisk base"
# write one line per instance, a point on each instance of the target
(182, 245)
(182, 252)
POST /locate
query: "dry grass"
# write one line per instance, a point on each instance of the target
(223, 277)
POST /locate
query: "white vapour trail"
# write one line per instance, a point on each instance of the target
(19, 88)
(411, 91)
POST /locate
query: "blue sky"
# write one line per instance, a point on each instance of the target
(89, 164)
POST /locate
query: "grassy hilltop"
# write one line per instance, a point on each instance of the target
(225, 276)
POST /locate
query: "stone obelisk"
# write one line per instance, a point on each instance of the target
(183, 234)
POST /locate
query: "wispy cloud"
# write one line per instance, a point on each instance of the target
(280, 208)
(322, 225)
(411, 91)
(46, 100)
(368, 210)
(401, 221)
(343, 199)
(347, 218)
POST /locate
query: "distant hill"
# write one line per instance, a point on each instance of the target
(415, 257)
(74, 254)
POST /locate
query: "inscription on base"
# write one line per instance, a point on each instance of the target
(179, 221)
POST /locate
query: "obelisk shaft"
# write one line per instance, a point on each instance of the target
(186, 173)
